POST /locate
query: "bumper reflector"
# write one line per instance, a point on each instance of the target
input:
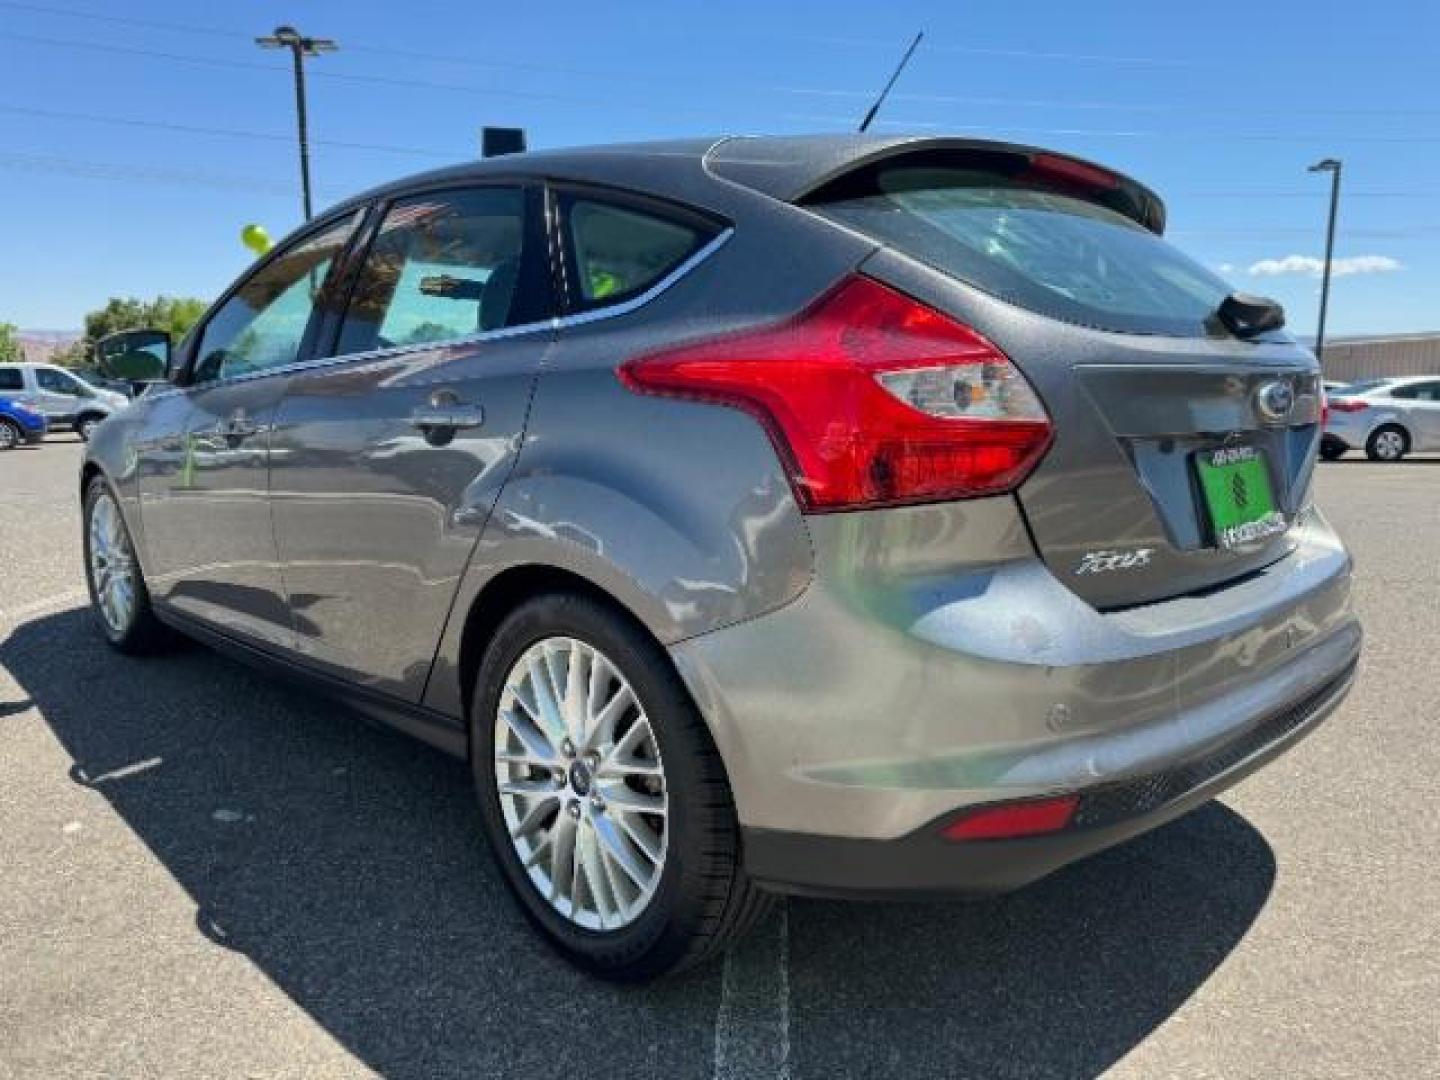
(1003, 821)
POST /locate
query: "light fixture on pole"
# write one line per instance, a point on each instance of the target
(1333, 167)
(287, 37)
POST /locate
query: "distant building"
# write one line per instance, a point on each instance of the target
(1351, 358)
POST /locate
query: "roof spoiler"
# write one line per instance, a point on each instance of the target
(805, 168)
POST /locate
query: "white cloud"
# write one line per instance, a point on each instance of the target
(1226, 268)
(1309, 266)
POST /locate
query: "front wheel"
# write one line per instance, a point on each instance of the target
(1387, 443)
(602, 794)
(118, 595)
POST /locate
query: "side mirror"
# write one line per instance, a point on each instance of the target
(137, 356)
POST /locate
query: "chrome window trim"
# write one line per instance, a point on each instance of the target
(625, 307)
(553, 324)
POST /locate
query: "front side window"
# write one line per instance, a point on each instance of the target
(263, 324)
(617, 252)
(441, 267)
(61, 382)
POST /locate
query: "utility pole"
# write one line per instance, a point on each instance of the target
(1333, 167)
(869, 116)
(287, 37)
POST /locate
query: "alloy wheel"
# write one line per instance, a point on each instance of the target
(581, 784)
(7, 436)
(112, 564)
(1389, 445)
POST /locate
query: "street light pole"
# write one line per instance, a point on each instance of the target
(287, 37)
(1333, 167)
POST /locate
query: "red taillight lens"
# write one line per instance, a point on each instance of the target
(1348, 405)
(1008, 820)
(872, 399)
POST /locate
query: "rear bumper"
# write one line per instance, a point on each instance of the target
(923, 863)
(896, 692)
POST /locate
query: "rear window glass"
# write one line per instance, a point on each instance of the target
(11, 379)
(1044, 248)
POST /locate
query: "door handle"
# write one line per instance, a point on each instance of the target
(444, 415)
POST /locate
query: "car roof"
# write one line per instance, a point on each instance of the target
(786, 168)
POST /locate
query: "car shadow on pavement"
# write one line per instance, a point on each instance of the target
(345, 862)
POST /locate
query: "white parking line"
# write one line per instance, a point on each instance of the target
(752, 1024)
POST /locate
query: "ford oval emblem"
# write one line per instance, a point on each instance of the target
(1274, 400)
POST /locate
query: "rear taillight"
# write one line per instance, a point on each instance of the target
(1348, 405)
(871, 398)
(1002, 821)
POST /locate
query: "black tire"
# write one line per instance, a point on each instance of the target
(1332, 451)
(704, 899)
(10, 434)
(143, 633)
(1376, 449)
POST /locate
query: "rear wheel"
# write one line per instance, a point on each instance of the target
(603, 795)
(10, 434)
(1332, 451)
(1387, 443)
(117, 589)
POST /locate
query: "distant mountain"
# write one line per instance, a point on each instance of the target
(40, 345)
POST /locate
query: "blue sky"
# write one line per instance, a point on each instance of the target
(1218, 106)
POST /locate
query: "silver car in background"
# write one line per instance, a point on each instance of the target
(850, 515)
(1386, 418)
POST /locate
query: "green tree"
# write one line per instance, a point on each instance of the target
(10, 351)
(173, 313)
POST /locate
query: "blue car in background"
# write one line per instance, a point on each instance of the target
(20, 422)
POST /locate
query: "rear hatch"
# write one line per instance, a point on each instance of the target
(1183, 440)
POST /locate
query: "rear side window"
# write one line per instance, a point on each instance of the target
(443, 266)
(1417, 392)
(1043, 244)
(11, 379)
(615, 251)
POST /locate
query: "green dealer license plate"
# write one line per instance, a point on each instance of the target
(1236, 484)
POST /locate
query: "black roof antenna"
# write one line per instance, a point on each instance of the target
(884, 93)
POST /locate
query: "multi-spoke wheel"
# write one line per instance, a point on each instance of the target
(10, 436)
(1387, 443)
(602, 792)
(117, 588)
(581, 783)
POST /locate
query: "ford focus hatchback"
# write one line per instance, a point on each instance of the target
(848, 516)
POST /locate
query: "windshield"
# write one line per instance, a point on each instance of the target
(1046, 248)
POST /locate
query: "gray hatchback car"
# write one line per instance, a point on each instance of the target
(848, 516)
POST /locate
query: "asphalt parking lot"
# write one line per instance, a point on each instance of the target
(206, 873)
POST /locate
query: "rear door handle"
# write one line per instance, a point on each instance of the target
(454, 417)
(443, 415)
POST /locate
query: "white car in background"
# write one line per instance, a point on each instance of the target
(1387, 418)
(67, 400)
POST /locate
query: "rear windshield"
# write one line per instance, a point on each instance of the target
(1053, 251)
(1364, 386)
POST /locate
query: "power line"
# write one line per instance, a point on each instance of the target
(234, 133)
(109, 170)
(633, 76)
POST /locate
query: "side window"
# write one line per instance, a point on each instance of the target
(616, 252)
(1406, 393)
(12, 379)
(441, 267)
(58, 382)
(263, 324)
